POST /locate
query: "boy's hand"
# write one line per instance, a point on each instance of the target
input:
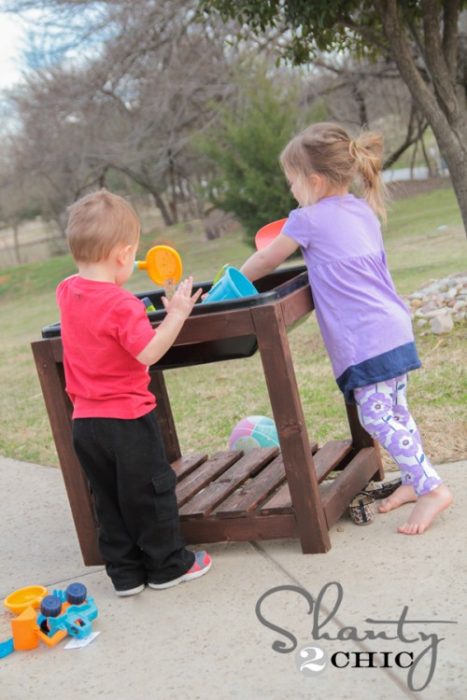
(182, 301)
(178, 309)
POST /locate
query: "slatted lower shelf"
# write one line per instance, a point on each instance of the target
(230, 485)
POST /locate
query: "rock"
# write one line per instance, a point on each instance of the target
(437, 312)
(451, 292)
(430, 306)
(440, 303)
(442, 323)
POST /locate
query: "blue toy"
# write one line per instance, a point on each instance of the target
(232, 285)
(63, 613)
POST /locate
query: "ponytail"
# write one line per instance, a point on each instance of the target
(327, 148)
(367, 151)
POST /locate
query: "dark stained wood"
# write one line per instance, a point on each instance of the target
(204, 474)
(215, 325)
(360, 439)
(349, 482)
(325, 460)
(288, 414)
(297, 306)
(281, 502)
(253, 492)
(228, 497)
(59, 410)
(329, 457)
(164, 415)
(218, 489)
(56, 348)
(185, 465)
(238, 529)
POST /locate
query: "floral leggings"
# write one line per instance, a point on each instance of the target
(383, 412)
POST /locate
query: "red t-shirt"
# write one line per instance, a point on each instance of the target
(103, 328)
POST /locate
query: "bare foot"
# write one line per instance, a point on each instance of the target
(403, 494)
(428, 506)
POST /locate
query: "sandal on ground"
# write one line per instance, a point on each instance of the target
(361, 508)
(382, 489)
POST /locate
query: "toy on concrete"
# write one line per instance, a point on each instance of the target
(268, 233)
(252, 432)
(232, 285)
(164, 266)
(64, 613)
(23, 598)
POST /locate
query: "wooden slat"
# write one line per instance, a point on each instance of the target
(329, 456)
(204, 474)
(249, 465)
(325, 460)
(254, 491)
(349, 482)
(186, 465)
(281, 502)
(200, 530)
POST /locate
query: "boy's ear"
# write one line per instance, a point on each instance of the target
(122, 254)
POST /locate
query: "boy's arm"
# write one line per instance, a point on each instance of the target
(266, 260)
(178, 309)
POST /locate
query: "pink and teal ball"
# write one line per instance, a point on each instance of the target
(252, 432)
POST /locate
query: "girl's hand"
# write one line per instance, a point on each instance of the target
(182, 301)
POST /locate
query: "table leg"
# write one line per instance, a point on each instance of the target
(360, 438)
(288, 414)
(59, 408)
(164, 415)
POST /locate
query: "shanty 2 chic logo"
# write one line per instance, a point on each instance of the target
(312, 659)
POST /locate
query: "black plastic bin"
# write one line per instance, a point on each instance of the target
(271, 288)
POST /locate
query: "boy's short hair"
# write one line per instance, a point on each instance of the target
(97, 223)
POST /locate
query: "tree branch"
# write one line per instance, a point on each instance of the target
(410, 139)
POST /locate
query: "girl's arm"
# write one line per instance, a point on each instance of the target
(266, 260)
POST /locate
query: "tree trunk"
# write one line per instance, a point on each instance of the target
(438, 102)
(16, 242)
(163, 208)
(143, 181)
(412, 160)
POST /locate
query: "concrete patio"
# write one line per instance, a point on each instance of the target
(203, 639)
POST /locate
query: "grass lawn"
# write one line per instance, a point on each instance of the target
(424, 240)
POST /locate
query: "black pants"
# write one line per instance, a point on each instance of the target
(134, 490)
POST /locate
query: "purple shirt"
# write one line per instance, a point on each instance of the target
(360, 315)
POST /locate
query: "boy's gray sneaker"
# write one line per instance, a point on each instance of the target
(200, 567)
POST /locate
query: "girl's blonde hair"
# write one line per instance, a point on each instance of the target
(327, 149)
(97, 223)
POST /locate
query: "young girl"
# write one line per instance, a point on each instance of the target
(365, 326)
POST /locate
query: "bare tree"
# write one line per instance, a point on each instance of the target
(130, 106)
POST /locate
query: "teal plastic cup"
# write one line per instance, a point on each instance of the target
(232, 285)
